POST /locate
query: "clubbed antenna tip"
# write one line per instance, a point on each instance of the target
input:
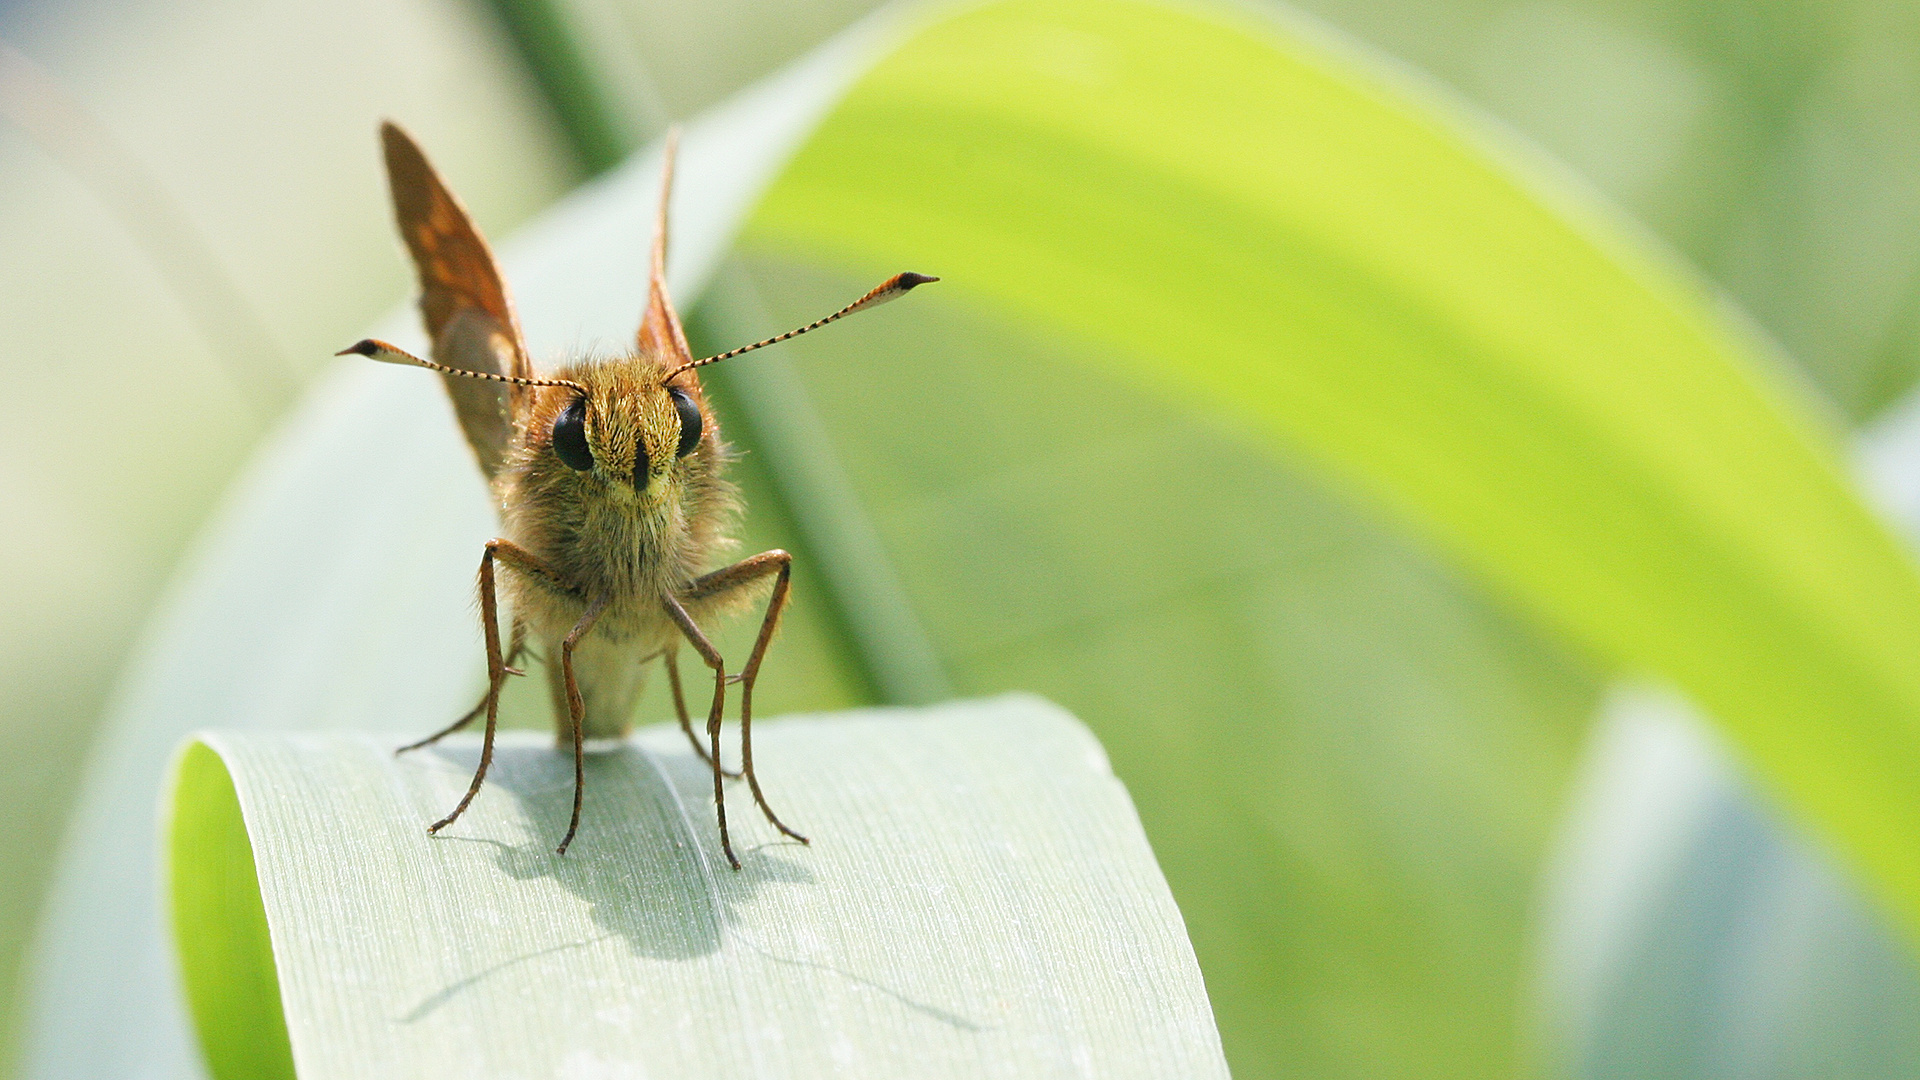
(891, 289)
(376, 350)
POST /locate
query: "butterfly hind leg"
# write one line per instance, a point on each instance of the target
(671, 657)
(720, 582)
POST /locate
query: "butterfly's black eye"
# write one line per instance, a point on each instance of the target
(690, 422)
(570, 436)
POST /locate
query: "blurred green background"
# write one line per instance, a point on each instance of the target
(1413, 740)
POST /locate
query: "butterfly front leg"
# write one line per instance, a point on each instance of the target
(499, 664)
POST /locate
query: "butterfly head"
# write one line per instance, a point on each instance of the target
(620, 425)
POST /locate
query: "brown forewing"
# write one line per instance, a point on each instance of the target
(468, 313)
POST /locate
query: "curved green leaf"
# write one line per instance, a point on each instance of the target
(978, 900)
(1331, 267)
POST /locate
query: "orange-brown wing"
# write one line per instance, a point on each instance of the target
(468, 314)
(660, 333)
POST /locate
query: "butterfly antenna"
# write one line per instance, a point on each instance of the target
(891, 289)
(375, 349)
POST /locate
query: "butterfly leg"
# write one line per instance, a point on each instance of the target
(496, 677)
(695, 637)
(519, 559)
(672, 659)
(577, 713)
(725, 580)
(515, 646)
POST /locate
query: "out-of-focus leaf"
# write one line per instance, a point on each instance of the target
(1347, 760)
(978, 900)
(1688, 930)
(1257, 227)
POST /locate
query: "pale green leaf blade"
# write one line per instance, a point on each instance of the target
(1335, 267)
(978, 900)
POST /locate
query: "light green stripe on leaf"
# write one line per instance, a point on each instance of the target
(1333, 265)
(220, 927)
